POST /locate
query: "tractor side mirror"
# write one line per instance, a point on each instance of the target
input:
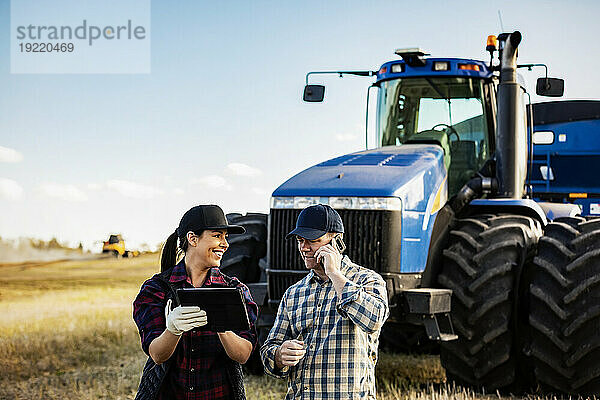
(314, 93)
(551, 87)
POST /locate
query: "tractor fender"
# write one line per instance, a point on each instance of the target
(526, 207)
(558, 210)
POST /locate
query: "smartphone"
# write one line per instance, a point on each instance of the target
(338, 244)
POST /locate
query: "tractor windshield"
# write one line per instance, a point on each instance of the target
(114, 239)
(448, 111)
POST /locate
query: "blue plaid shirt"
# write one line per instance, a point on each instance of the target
(341, 335)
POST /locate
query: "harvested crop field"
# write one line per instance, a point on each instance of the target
(66, 333)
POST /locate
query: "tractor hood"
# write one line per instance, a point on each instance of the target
(412, 172)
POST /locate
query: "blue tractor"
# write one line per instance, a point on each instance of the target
(442, 211)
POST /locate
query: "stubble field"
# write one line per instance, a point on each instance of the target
(66, 332)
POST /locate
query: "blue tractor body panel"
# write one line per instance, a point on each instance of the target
(455, 67)
(565, 169)
(558, 210)
(414, 173)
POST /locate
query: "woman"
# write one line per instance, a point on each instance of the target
(185, 363)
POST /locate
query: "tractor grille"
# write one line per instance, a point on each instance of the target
(279, 282)
(372, 238)
(283, 253)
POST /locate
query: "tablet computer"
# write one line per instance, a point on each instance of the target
(225, 307)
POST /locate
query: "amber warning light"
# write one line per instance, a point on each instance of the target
(469, 67)
(492, 43)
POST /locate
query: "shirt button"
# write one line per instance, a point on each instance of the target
(191, 369)
(192, 350)
(312, 346)
(191, 388)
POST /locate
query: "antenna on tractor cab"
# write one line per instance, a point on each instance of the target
(500, 19)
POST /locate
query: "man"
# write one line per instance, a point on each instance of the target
(326, 332)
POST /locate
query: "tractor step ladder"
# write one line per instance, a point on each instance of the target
(431, 307)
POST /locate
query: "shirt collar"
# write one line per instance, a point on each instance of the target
(179, 274)
(312, 276)
(215, 277)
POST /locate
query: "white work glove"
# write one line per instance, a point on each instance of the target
(182, 319)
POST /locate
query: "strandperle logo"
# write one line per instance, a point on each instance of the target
(80, 37)
(91, 33)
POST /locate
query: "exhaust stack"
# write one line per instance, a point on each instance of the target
(511, 134)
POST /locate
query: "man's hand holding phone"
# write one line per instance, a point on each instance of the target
(330, 256)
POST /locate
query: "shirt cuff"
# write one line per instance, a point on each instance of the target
(147, 338)
(270, 367)
(350, 293)
(249, 336)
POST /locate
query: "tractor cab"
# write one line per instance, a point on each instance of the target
(448, 102)
(449, 111)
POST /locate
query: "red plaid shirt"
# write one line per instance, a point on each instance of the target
(198, 370)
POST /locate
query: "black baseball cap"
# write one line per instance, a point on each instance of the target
(315, 221)
(202, 217)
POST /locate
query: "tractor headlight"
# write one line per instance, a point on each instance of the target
(441, 66)
(397, 68)
(303, 202)
(340, 203)
(282, 202)
(366, 203)
(297, 202)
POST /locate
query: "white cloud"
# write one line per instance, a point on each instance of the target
(240, 169)
(10, 155)
(10, 190)
(94, 186)
(347, 137)
(178, 191)
(213, 181)
(132, 189)
(63, 192)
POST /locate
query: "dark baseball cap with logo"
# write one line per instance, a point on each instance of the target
(315, 221)
(203, 217)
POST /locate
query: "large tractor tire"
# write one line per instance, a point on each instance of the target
(245, 251)
(482, 265)
(564, 310)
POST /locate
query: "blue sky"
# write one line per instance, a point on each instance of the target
(219, 119)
